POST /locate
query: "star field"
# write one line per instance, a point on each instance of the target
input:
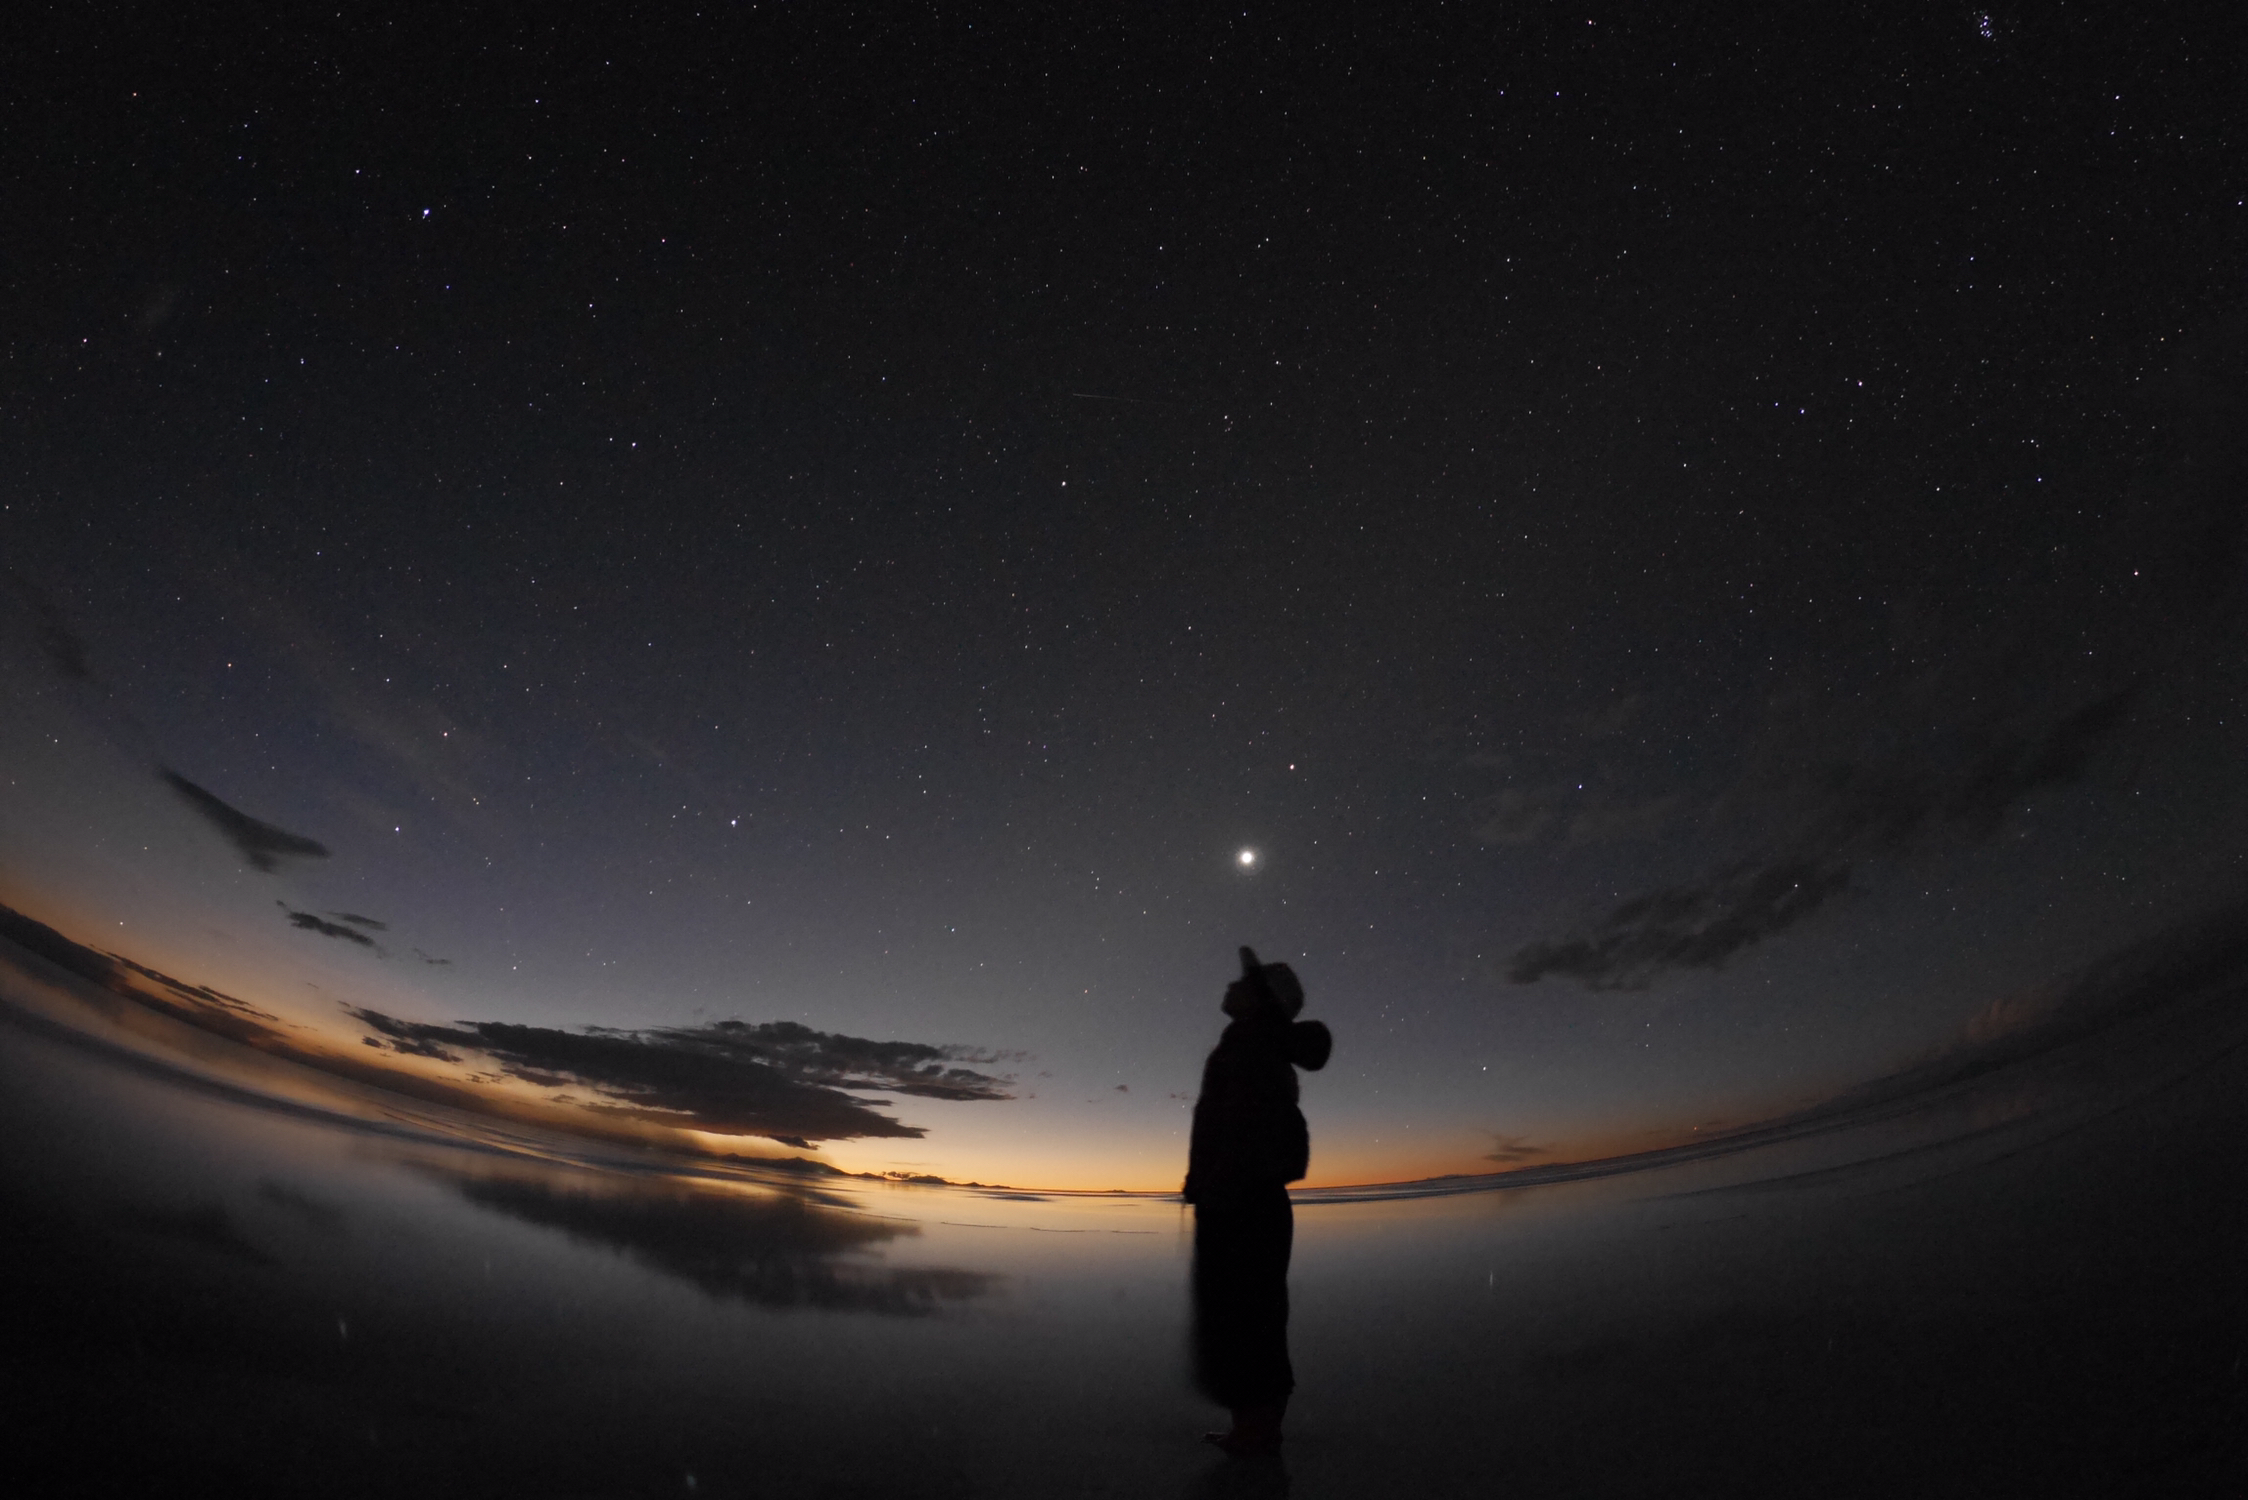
(1664, 562)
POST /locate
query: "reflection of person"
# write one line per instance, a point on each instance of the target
(1249, 1143)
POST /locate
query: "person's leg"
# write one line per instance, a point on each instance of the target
(1244, 1299)
(1218, 1303)
(1271, 1375)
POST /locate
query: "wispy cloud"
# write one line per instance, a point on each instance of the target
(1843, 814)
(1935, 741)
(260, 843)
(1698, 925)
(313, 922)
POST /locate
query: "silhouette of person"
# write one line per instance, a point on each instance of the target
(1249, 1143)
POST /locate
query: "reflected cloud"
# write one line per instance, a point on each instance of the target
(325, 1217)
(771, 1249)
(207, 1227)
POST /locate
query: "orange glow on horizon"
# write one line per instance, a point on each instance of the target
(1090, 1158)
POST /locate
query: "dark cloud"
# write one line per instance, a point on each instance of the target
(1692, 926)
(1841, 815)
(773, 1249)
(403, 1036)
(847, 1061)
(779, 1079)
(260, 843)
(358, 921)
(311, 922)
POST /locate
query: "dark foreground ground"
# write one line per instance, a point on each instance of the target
(203, 1294)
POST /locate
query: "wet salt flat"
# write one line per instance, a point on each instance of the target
(226, 1270)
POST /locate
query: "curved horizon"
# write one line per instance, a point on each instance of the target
(2178, 969)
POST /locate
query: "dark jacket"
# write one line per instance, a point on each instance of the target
(1249, 1136)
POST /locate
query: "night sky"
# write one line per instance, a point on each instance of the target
(1700, 553)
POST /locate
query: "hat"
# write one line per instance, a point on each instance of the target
(1278, 981)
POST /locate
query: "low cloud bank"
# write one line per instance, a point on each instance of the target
(778, 1079)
